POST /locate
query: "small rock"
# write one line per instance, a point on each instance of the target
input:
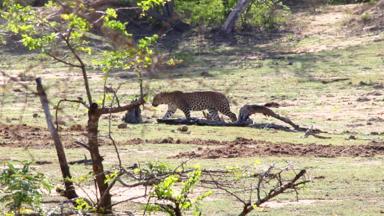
(60, 122)
(319, 177)
(76, 127)
(363, 99)
(378, 86)
(60, 190)
(376, 119)
(183, 129)
(352, 137)
(206, 74)
(35, 115)
(122, 126)
(362, 83)
(167, 140)
(375, 93)
(374, 133)
(42, 162)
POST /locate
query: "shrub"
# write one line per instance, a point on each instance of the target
(207, 12)
(22, 188)
(173, 200)
(264, 14)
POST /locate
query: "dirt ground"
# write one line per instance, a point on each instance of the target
(22, 135)
(248, 148)
(36, 137)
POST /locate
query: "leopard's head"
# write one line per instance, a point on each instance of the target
(166, 98)
(159, 99)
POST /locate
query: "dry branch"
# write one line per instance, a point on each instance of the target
(252, 188)
(247, 110)
(70, 192)
(204, 122)
(134, 104)
(267, 185)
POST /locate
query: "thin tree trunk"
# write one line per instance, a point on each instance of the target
(104, 205)
(168, 9)
(70, 192)
(230, 22)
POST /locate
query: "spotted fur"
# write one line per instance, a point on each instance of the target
(214, 102)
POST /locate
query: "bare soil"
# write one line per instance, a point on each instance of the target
(369, 18)
(248, 148)
(35, 137)
(337, 26)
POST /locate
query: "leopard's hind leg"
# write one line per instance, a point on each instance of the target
(226, 111)
(213, 115)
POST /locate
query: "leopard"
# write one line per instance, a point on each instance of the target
(212, 101)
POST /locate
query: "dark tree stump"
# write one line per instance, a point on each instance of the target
(133, 116)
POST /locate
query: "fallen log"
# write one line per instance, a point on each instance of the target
(204, 122)
(247, 110)
(244, 121)
(201, 122)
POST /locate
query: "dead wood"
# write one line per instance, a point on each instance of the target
(247, 110)
(244, 121)
(327, 81)
(70, 192)
(202, 122)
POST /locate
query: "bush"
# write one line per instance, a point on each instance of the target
(175, 200)
(264, 14)
(207, 12)
(21, 188)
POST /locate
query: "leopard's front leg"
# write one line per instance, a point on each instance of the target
(186, 112)
(171, 110)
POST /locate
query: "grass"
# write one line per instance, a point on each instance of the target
(290, 81)
(341, 186)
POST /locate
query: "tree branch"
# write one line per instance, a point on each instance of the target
(66, 100)
(62, 60)
(122, 108)
(82, 66)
